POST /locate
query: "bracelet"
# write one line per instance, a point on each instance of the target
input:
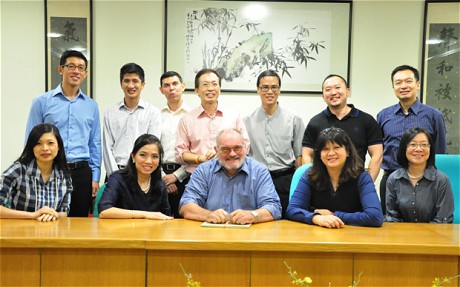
(196, 159)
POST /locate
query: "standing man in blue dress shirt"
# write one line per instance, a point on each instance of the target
(408, 113)
(276, 135)
(231, 187)
(77, 117)
(125, 121)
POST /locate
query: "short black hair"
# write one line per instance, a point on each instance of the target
(132, 68)
(268, 73)
(403, 68)
(334, 75)
(406, 138)
(72, 53)
(170, 74)
(206, 71)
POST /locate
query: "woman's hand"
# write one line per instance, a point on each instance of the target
(324, 211)
(157, 215)
(46, 214)
(329, 221)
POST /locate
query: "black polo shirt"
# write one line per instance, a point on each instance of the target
(361, 127)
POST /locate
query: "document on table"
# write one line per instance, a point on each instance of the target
(225, 225)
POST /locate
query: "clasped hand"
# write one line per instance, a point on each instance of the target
(327, 219)
(46, 214)
(238, 216)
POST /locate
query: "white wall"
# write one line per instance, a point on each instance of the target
(385, 34)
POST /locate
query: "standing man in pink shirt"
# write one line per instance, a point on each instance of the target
(197, 130)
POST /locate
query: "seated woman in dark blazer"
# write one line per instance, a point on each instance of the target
(418, 192)
(336, 190)
(138, 191)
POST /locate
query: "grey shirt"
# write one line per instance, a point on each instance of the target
(276, 141)
(431, 200)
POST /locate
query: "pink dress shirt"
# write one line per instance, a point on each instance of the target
(197, 132)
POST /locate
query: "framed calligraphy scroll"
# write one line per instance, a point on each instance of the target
(67, 27)
(441, 65)
(303, 41)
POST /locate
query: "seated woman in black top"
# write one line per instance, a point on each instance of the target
(336, 190)
(138, 191)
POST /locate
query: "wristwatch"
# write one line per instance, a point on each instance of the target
(256, 215)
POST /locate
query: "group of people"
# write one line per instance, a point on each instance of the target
(209, 164)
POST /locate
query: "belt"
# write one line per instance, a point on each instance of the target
(170, 166)
(388, 172)
(282, 172)
(77, 164)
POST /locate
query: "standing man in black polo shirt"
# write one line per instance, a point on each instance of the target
(361, 127)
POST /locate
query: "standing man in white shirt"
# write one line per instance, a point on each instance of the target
(125, 121)
(174, 175)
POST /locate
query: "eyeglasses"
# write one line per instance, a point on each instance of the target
(225, 150)
(206, 85)
(72, 67)
(274, 88)
(420, 145)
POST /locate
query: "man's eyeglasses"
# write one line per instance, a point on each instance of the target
(420, 145)
(225, 150)
(206, 85)
(274, 88)
(72, 67)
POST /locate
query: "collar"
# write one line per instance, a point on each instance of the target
(58, 91)
(183, 108)
(219, 168)
(202, 113)
(141, 105)
(415, 108)
(354, 112)
(429, 174)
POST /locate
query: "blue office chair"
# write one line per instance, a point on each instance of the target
(450, 165)
(296, 177)
(96, 200)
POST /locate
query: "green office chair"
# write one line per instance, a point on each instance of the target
(296, 177)
(96, 200)
(450, 165)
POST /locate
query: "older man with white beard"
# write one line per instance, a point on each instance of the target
(231, 188)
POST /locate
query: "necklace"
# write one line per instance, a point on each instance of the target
(414, 177)
(147, 188)
(335, 185)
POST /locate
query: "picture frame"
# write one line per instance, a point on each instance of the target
(67, 27)
(304, 41)
(441, 65)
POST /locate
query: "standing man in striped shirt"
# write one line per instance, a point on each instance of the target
(408, 113)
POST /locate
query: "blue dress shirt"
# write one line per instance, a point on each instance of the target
(394, 123)
(78, 123)
(250, 188)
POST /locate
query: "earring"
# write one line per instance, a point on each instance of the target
(134, 161)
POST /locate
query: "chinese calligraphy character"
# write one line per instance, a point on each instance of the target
(69, 33)
(443, 92)
(443, 67)
(447, 35)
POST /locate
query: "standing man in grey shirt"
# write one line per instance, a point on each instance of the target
(276, 135)
(125, 121)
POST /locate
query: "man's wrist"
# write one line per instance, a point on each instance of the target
(256, 216)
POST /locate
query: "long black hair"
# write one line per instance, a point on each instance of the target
(36, 133)
(130, 170)
(318, 174)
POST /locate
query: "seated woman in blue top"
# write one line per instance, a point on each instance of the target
(418, 192)
(138, 191)
(336, 190)
(38, 184)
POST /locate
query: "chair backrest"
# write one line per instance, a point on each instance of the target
(96, 200)
(450, 165)
(296, 177)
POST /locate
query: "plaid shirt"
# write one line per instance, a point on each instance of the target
(22, 188)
